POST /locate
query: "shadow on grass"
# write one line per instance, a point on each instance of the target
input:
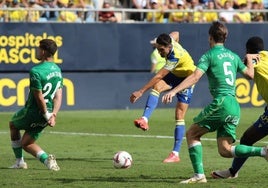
(113, 179)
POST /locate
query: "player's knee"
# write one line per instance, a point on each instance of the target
(225, 152)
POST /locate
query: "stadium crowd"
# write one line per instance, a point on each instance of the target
(156, 11)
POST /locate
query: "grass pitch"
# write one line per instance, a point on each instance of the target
(84, 143)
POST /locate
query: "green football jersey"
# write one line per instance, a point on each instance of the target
(221, 66)
(46, 77)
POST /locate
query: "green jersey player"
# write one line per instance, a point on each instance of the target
(223, 113)
(40, 110)
(259, 129)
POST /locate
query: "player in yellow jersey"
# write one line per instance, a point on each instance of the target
(259, 129)
(179, 64)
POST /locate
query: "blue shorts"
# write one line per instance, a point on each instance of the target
(183, 96)
(262, 123)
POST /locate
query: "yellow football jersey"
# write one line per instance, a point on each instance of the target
(179, 61)
(261, 75)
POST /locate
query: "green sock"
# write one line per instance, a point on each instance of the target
(196, 156)
(42, 156)
(247, 151)
(18, 152)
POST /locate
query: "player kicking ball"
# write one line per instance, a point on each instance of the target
(179, 64)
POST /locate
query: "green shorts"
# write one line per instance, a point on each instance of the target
(29, 120)
(221, 115)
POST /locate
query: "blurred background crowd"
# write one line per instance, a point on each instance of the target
(117, 11)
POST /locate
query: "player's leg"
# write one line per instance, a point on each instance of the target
(253, 134)
(193, 135)
(151, 104)
(250, 137)
(208, 120)
(184, 98)
(17, 147)
(179, 131)
(231, 116)
(30, 146)
(17, 123)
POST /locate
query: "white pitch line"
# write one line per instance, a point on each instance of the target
(123, 135)
(131, 136)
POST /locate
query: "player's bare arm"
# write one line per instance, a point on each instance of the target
(56, 107)
(189, 81)
(175, 35)
(249, 58)
(40, 101)
(57, 101)
(159, 76)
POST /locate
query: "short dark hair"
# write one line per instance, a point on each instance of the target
(163, 39)
(254, 45)
(218, 31)
(49, 46)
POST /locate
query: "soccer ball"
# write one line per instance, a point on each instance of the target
(122, 159)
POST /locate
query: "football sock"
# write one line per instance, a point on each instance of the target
(42, 156)
(178, 134)
(196, 156)
(17, 149)
(151, 103)
(246, 151)
(237, 164)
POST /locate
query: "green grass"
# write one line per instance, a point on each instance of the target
(84, 143)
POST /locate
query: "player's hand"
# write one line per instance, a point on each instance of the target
(52, 121)
(254, 58)
(167, 98)
(50, 118)
(135, 96)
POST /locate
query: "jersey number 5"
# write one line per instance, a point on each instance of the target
(228, 73)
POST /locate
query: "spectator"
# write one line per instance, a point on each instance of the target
(2, 13)
(167, 5)
(139, 4)
(90, 15)
(196, 13)
(242, 17)
(52, 15)
(227, 15)
(256, 16)
(210, 16)
(33, 15)
(16, 15)
(68, 15)
(157, 17)
(179, 17)
(265, 6)
(107, 16)
(221, 3)
(237, 3)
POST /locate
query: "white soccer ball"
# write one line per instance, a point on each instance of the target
(122, 159)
